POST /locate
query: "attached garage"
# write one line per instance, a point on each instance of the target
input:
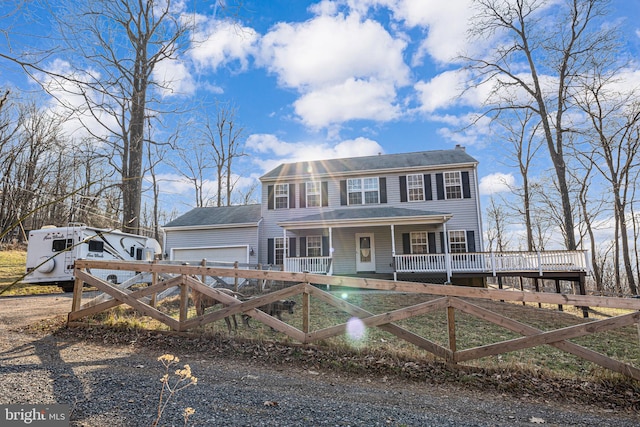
(218, 254)
(217, 234)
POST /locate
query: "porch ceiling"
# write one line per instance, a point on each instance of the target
(366, 216)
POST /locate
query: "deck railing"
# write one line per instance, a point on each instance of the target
(494, 262)
(469, 262)
(315, 265)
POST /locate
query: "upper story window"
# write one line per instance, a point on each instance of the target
(363, 191)
(453, 185)
(415, 188)
(419, 242)
(314, 246)
(314, 194)
(281, 196)
(457, 241)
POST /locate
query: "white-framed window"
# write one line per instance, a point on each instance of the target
(415, 188)
(453, 185)
(314, 194)
(419, 242)
(363, 191)
(314, 246)
(279, 250)
(457, 241)
(281, 194)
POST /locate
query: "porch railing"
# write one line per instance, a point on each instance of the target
(469, 262)
(494, 262)
(315, 265)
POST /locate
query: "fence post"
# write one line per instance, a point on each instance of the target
(203, 278)
(451, 323)
(184, 304)
(154, 280)
(235, 276)
(306, 312)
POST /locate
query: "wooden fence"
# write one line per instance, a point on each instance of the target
(451, 299)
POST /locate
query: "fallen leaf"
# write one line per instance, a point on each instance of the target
(536, 420)
(270, 403)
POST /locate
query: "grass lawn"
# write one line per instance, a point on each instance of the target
(621, 344)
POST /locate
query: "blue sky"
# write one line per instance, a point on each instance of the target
(337, 78)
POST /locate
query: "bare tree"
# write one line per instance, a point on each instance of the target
(539, 56)
(225, 139)
(615, 137)
(112, 48)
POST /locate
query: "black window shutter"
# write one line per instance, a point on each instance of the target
(325, 245)
(343, 193)
(471, 241)
(406, 243)
(292, 196)
(431, 239)
(403, 188)
(303, 195)
(271, 246)
(443, 243)
(292, 247)
(440, 186)
(466, 188)
(383, 189)
(303, 246)
(325, 193)
(428, 195)
(270, 197)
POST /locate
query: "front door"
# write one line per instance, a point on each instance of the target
(365, 252)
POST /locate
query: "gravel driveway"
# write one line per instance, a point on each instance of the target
(118, 385)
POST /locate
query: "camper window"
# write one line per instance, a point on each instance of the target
(95, 246)
(61, 245)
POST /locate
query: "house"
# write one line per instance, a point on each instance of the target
(377, 215)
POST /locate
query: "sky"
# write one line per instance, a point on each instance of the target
(340, 78)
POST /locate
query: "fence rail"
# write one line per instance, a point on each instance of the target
(451, 299)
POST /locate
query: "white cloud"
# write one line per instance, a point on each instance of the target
(218, 43)
(268, 146)
(331, 49)
(350, 100)
(69, 100)
(174, 78)
(496, 183)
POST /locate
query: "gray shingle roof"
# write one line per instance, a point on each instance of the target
(224, 215)
(355, 214)
(370, 163)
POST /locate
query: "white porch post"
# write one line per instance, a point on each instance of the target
(330, 273)
(393, 252)
(447, 256)
(285, 246)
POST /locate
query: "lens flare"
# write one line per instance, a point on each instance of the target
(356, 330)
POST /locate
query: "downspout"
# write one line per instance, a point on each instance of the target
(330, 273)
(393, 253)
(258, 252)
(478, 208)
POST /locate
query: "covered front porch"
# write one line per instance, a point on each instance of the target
(394, 241)
(357, 241)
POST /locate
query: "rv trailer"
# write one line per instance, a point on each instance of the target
(52, 252)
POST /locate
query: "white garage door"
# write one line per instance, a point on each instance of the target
(221, 254)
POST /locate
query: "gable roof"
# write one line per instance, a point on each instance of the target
(401, 161)
(224, 216)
